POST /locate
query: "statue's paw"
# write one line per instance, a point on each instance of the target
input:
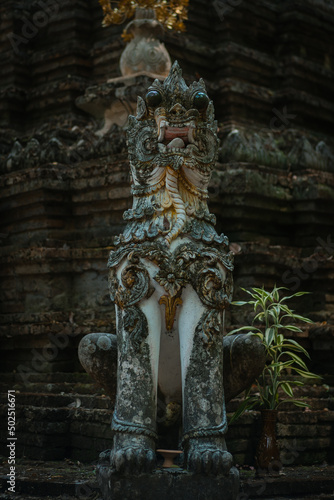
(208, 459)
(134, 459)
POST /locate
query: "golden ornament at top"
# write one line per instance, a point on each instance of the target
(171, 14)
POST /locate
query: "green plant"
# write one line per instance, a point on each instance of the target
(283, 354)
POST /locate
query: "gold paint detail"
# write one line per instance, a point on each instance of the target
(170, 14)
(171, 304)
(166, 200)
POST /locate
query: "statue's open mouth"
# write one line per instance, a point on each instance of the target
(176, 137)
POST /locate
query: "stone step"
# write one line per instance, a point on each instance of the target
(90, 395)
(314, 404)
(49, 382)
(59, 400)
(324, 496)
(73, 430)
(50, 385)
(57, 388)
(53, 489)
(292, 483)
(82, 383)
(5, 496)
(54, 425)
(72, 480)
(73, 399)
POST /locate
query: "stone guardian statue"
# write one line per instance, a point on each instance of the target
(170, 276)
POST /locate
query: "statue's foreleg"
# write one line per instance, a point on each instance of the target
(204, 415)
(138, 339)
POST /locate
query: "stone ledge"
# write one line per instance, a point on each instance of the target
(167, 484)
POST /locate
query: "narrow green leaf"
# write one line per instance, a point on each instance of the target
(265, 399)
(297, 346)
(257, 303)
(242, 328)
(258, 334)
(250, 293)
(286, 309)
(262, 293)
(296, 359)
(276, 294)
(298, 294)
(281, 364)
(247, 404)
(288, 348)
(239, 303)
(292, 328)
(280, 339)
(302, 318)
(287, 389)
(259, 316)
(269, 335)
(301, 404)
(295, 382)
(306, 374)
(296, 402)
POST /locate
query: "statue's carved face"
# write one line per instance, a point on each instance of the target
(177, 117)
(179, 124)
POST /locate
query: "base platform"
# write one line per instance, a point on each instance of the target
(167, 484)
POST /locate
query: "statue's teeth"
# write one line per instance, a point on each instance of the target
(161, 134)
(162, 126)
(191, 131)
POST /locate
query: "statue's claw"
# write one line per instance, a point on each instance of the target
(129, 457)
(208, 458)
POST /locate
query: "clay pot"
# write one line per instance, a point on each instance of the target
(267, 456)
(169, 456)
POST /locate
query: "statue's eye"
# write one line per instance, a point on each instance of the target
(153, 98)
(200, 101)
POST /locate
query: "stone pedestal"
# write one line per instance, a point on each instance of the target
(164, 484)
